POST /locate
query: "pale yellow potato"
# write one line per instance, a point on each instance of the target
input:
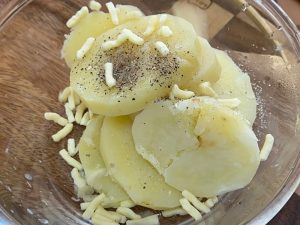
(141, 181)
(197, 145)
(234, 83)
(210, 68)
(142, 74)
(94, 168)
(93, 25)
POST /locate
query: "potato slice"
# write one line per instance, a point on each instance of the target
(141, 181)
(94, 167)
(233, 83)
(224, 158)
(142, 74)
(93, 25)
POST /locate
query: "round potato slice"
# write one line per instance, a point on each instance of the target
(197, 145)
(142, 73)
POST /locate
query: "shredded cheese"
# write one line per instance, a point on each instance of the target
(85, 119)
(76, 98)
(162, 48)
(72, 150)
(92, 206)
(79, 112)
(63, 95)
(267, 147)
(71, 161)
(192, 199)
(109, 79)
(207, 90)
(149, 220)
(182, 94)
(94, 5)
(230, 103)
(63, 132)
(82, 187)
(192, 211)
(77, 17)
(165, 31)
(135, 39)
(128, 213)
(172, 212)
(215, 199)
(85, 48)
(71, 100)
(114, 216)
(209, 203)
(56, 118)
(127, 203)
(113, 13)
(151, 26)
(125, 35)
(84, 205)
(163, 18)
(69, 113)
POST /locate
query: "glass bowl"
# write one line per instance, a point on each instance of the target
(35, 183)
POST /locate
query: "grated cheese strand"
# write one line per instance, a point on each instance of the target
(114, 216)
(72, 150)
(125, 35)
(195, 202)
(127, 203)
(151, 26)
(230, 103)
(92, 206)
(71, 100)
(215, 199)
(165, 31)
(85, 119)
(80, 183)
(69, 113)
(113, 13)
(209, 203)
(85, 48)
(149, 220)
(84, 205)
(267, 147)
(56, 118)
(94, 5)
(62, 133)
(76, 98)
(162, 48)
(181, 94)
(192, 211)
(79, 112)
(207, 90)
(172, 212)
(135, 39)
(109, 79)
(74, 20)
(71, 161)
(91, 114)
(128, 213)
(63, 95)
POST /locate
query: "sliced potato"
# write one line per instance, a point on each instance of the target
(94, 167)
(141, 181)
(142, 74)
(197, 145)
(93, 25)
(233, 83)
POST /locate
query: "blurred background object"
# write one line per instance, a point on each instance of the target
(292, 7)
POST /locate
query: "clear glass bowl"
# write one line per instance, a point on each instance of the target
(35, 184)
